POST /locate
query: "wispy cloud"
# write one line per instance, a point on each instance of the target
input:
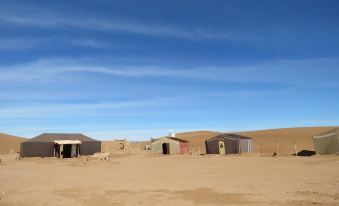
(91, 43)
(306, 72)
(38, 42)
(60, 109)
(73, 109)
(116, 25)
(20, 43)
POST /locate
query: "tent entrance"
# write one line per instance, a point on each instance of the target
(221, 147)
(70, 150)
(66, 148)
(165, 148)
(67, 152)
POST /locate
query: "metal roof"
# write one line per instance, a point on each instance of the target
(327, 133)
(179, 140)
(229, 136)
(51, 137)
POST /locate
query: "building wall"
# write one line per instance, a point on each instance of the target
(184, 147)
(327, 144)
(156, 146)
(37, 149)
(90, 147)
(231, 146)
(46, 149)
(246, 145)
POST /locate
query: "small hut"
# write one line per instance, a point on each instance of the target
(229, 144)
(169, 145)
(327, 142)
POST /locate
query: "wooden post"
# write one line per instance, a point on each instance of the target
(258, 151)
(199, 151)
(295, 148)
(277, 146)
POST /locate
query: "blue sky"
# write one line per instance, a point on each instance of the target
(135, 69)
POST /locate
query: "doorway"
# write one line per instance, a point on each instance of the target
(165, 148)
(221, 147)
(67, 152)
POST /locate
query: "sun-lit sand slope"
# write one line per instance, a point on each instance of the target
(8, 142)
(197, 139)
(266, 139)
(171, 180)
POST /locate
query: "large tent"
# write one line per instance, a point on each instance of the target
(59, 145)
(169, 145)
(327, 142)
(229, 144)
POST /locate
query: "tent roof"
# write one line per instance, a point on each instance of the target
(179, 140)
(238, 136)
(328, 132)
(229, 136)
(51, 137)
(170, 138)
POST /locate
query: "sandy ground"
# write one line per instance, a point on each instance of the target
(145, 179)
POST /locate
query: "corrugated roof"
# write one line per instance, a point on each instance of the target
(238, 136)
(179, 140)
(334, 130)
(230, 136)
(51, 137)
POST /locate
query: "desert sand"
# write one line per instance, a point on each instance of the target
(144, 179)
(134, 176)
(9, 143)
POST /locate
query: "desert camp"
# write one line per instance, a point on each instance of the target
(120, 165)
(169, 103)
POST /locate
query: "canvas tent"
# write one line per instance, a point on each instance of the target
(229, 144)
(327, 142)
(169, 145)
(59, 145)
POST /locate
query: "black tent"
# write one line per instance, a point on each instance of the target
(59, 145)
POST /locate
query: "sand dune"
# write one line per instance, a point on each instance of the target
(267, 139)
(197, 139)
(9, 142)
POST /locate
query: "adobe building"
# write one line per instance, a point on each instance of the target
(169, 145)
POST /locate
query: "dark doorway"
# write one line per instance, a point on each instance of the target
(67, 153)
(165, 148)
